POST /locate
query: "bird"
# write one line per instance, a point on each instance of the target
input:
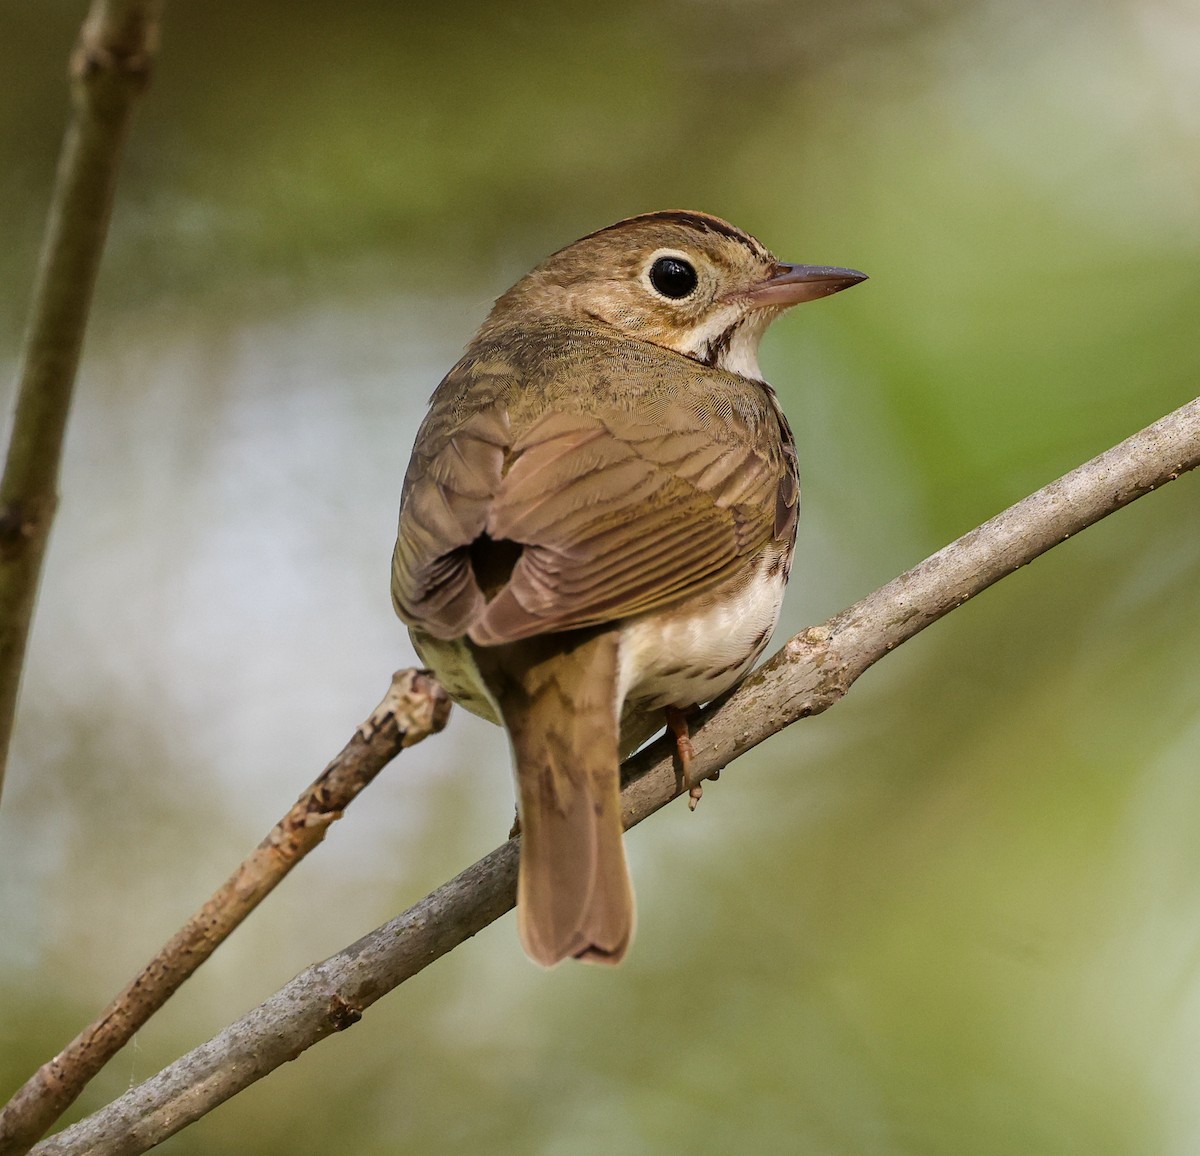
(596, 527)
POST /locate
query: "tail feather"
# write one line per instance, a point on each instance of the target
(558, 700)
(573, 894)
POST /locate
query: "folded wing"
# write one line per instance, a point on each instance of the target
(568, 519)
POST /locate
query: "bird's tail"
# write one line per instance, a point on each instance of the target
(558, 696)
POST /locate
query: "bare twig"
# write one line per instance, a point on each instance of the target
(812, 672)
(109, 69)
(414, 707)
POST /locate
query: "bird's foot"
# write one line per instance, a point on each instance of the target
(515, 829)
(678, 724)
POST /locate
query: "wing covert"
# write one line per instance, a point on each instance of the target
(616, 514)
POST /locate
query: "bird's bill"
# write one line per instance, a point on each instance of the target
(792, 284)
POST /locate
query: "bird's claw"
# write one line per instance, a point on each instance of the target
(677, 722)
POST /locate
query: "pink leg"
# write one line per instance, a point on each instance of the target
(677, 722)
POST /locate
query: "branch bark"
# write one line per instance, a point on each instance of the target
(813, 671)
(109, 69)
(414, 707)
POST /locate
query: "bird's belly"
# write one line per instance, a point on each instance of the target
(679, 656)
(454, 665)
(698, 650)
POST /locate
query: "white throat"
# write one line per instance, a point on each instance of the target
(740, 355)
(730, 343)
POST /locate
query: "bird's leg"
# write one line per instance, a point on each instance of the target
(678, 724)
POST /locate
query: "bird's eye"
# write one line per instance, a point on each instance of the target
(673, 277)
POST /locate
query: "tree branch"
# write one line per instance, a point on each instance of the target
(109, 70)
(414, 707)
(807, 676)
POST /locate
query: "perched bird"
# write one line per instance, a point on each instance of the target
(596, 528)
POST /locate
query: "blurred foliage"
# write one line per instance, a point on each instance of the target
(959, 913)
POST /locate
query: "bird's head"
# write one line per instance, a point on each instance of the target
(682, 280)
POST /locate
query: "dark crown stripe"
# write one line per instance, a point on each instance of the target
(699, 221)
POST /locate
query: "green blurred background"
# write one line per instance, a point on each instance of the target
(960, 913)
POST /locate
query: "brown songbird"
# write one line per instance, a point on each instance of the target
(596, 528)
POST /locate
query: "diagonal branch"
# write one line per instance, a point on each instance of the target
(414, 707)
(109, 70)
(807, 676)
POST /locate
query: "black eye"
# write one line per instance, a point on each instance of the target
(673, 277)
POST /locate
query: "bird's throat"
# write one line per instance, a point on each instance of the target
(740, 354)
(733, 348)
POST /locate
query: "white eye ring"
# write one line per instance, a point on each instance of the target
(671, 275)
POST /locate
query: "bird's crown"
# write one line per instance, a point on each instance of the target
(679, 279)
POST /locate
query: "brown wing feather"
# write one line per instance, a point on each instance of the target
(662, 493)
(443, 509)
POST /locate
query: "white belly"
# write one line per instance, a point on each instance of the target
(691, 655)
(681, 656)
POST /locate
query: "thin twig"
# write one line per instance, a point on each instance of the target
(109, 70)
(414, 707)
(812, 672)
